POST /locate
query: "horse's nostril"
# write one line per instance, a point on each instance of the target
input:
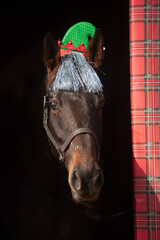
(75, 180)
(99, 180)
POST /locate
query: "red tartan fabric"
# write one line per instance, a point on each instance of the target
(145, 112)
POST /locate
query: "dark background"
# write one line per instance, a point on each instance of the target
(26, 162)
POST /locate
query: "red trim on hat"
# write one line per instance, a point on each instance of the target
(69, 47)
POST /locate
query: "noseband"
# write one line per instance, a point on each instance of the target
(61, 149)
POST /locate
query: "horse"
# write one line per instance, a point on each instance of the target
(72, 116)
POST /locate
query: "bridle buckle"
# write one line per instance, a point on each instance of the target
(61, 155)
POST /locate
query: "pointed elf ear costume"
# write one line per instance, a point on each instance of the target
(77, 38)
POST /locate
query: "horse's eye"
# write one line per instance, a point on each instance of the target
(53, 106)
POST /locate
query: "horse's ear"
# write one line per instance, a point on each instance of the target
(51, 52)
(95, 50)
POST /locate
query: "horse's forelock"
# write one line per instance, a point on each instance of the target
(75, 73)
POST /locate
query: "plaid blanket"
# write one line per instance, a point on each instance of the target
(145, 112)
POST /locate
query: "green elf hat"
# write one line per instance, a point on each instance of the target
(76, 38)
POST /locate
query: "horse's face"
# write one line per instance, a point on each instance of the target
(68, 112)
(73, 109)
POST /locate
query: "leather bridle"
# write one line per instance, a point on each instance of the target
(61, 149)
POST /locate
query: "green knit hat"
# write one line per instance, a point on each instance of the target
(76, 38)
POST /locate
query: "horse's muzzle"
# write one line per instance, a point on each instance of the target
(86, 183)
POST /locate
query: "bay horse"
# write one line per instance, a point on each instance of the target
(73, 114)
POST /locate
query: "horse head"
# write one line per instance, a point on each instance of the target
(73, 114)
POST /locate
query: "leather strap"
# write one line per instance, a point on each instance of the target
(77, 132)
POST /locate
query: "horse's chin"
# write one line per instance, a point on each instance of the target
(86, 202)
